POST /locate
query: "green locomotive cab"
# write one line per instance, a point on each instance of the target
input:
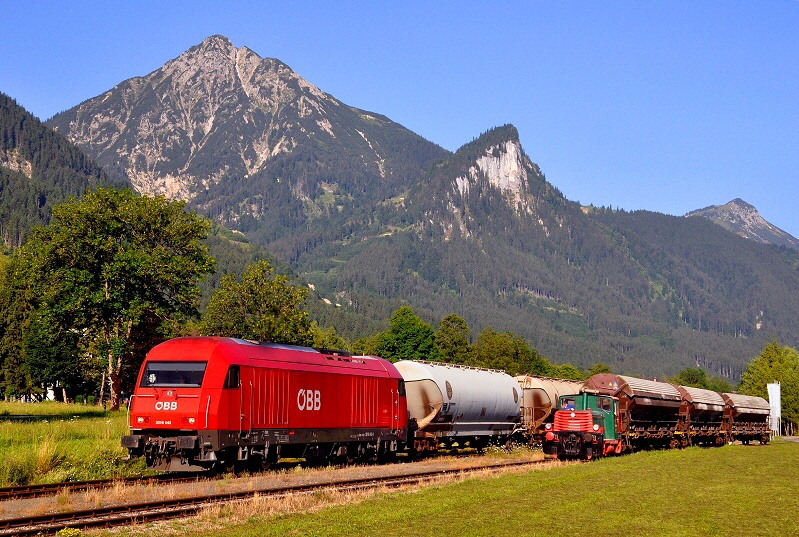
(584, 427)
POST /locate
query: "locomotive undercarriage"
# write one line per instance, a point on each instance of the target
(192, 451)
(575, 444)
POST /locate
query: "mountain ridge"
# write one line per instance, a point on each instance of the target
(216, 112)
(744, 220)
(375, 217)
(39, 169)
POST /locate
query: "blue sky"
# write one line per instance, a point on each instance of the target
(667, 106)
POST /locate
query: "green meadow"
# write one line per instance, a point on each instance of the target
(61, 442)
(733, 490)
(728, 491)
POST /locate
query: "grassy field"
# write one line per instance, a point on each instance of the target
(75, 442)
(729, 491)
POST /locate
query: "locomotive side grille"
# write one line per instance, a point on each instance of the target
(365, 404)
(573, 420)
(271, 393)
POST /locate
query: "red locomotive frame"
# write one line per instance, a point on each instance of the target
(201, 402)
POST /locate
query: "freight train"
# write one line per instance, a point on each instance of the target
(205, 403)
(210, 402)
(613, 414)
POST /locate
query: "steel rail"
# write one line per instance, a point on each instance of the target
(32, 491)
(164, 509)
(20, 492)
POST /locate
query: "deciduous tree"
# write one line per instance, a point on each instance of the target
(409, 338)
(775, 364)
(452, 339)
(108, 262)
(263, 306)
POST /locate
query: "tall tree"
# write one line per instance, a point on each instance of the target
(775, 364)
(109, 262)
(690, 376)
(15, 312)
(409, 338)
(452, 339)
(262, 306)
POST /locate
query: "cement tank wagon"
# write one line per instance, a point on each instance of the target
(452, 403)
(540, 400)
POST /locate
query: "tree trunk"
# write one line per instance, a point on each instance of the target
(116, 383)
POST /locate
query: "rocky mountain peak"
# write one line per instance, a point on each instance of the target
(744, 219)
(497, 157)
(212, 100)
(241, 138)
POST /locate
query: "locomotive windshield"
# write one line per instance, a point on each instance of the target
(173, 374)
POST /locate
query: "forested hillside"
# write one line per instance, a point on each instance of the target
(39, 168)
(643, 292)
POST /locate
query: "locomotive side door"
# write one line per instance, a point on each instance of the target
(245, 402)
(238, 383)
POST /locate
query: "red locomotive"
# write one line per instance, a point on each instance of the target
(203, 402)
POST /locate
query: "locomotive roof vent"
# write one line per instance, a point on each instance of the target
(333, 352)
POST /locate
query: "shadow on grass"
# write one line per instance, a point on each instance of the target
(5, 416)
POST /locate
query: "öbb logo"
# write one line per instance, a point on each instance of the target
(309, 399)
(166, 405)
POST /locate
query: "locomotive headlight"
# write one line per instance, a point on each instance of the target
(187, 420)
(142, 419)
(572, 414)
(191, 420)
(596, 427)
(548, 426)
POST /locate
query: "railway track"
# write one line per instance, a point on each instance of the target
(20, 492)
(126, 514)
(33, 491)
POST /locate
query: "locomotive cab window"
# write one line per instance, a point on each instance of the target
(173, 374)
(233, 377)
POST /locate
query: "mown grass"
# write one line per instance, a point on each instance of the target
(75, 442)
(729, 491)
